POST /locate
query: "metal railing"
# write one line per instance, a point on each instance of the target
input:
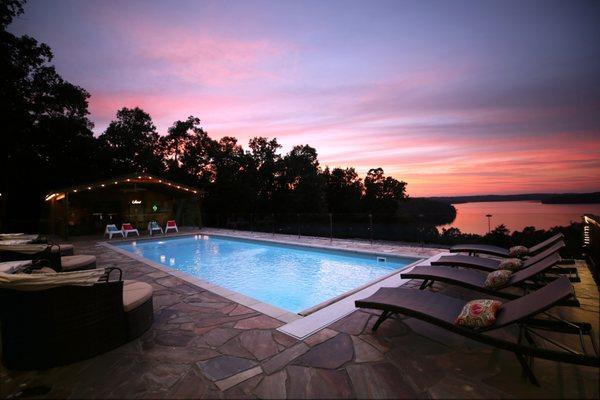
(344, 226)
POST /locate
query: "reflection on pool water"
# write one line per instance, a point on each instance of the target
(293, 278)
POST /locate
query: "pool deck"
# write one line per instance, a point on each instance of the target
(203, 345)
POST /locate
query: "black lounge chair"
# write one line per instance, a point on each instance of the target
(474, 280)
(492, 264)
(64, 324)
(501, 251)
(441, 310)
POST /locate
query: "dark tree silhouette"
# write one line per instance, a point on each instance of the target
(265, 169)
(178, 136)
(302, 183)
(46, 137)
(196, 160)
(343, 189)
(232, 190)
(382, 193)
(132, 142)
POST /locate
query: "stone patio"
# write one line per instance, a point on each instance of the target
(202, 345)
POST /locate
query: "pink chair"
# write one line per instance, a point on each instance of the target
(171, 225)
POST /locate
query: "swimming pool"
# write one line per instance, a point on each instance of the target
(290, 277)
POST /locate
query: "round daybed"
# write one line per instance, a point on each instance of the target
(59, 318)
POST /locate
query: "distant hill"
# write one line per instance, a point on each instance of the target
(546, 198)
(576, 198)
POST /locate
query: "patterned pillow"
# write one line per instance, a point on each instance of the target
(478, 313)
(518, 251)
(511, 264)
(497, 278)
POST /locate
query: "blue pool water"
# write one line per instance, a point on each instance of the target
(290, 277)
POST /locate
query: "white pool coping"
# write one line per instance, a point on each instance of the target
(296, 325)
(304, 327)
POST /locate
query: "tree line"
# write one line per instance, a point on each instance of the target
(48, 143)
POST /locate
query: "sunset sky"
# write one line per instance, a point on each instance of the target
(455, 98)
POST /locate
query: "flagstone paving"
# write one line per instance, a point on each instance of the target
(202, 345)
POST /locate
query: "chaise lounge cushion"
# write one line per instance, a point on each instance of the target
(135, 294)
(82, 261)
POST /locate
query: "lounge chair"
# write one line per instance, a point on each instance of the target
(111, 230)
(18, 236)
(502, 252)
(52, 253)
(153, 226)
(493, 264)
(127, 228)
(475, 280)
(65, 249)
(441, 310)
(60, 318)
(171, 225)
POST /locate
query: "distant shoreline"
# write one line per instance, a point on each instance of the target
(544, 198)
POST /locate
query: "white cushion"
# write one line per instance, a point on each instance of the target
(135, 294)
(70, 263)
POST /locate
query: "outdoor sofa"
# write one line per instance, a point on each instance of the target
(50, 319)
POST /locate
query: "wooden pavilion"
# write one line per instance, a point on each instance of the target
(135, 198)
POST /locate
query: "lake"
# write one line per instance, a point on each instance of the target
(516, 215)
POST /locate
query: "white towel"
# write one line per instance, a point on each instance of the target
(12, 267)
(13, 242)
(50, 280)
(24, 248)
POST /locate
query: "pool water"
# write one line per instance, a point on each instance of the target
(293, 278)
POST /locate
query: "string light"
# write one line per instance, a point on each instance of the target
(150, 178)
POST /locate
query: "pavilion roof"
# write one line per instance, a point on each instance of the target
(125, 179)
